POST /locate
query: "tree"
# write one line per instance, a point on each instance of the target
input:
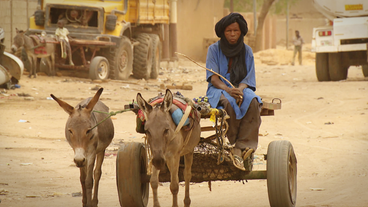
(261, 18)
(247, 6)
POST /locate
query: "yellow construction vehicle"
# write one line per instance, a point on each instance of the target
(110, 38)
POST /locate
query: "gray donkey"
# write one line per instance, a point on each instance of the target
(25, 41)
(89, 140)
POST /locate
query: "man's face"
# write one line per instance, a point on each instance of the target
(297, 34)
(232, 33)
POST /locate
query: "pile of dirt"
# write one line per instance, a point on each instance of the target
(282, 57)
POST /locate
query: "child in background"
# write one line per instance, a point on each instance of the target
(62, 35)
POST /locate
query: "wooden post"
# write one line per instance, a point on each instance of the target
(287, 25)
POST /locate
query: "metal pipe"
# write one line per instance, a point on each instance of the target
(121, 12)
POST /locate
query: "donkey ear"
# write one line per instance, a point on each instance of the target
(143, 105)
(67, 108)
(16, 30)
(94, 100)
(168, 100)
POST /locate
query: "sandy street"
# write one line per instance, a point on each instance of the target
(327, 123)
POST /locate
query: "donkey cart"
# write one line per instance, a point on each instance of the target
(211, 162)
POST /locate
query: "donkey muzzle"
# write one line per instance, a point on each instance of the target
(14, 48)
(158, 161)
(79, 158)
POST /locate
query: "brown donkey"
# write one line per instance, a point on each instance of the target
(167, 144)
(88, 141)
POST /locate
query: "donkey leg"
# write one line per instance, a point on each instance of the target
(97, 176)
(83, 183)
(173, 165)
(35, 67)
(89, 179)
(188, 160)
(154, 186)
(31, 66)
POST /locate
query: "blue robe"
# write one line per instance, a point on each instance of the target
(218, 62)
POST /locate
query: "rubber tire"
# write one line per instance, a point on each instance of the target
(336, 69)
(281, 174)
(365, 70)
(39, 17)
(131, 163)
(111, 22)
(119, 70)
(322, 67)
(156, 55)
(142, 62)
(96, 63)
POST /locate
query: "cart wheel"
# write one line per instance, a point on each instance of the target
(99, 68)
(281, 174)
(131, 175)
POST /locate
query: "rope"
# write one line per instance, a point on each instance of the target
(112, 113)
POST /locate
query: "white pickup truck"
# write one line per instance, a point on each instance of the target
(344, 41)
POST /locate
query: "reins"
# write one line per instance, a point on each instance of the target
(112, 113)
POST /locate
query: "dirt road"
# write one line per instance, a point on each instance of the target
(325, 121)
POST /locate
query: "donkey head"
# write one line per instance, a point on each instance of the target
(18, 40)
(159, 127)
(79, 130)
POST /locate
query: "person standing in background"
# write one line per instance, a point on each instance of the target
(298, 43)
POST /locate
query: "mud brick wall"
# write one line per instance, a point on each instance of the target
(15, 14)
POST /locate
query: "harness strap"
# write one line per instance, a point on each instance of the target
(183, 119)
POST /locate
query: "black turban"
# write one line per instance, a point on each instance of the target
(229, 19)
(235, 51)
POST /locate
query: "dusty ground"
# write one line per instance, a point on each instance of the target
(325, 121)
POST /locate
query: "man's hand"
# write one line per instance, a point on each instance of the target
(236, 93)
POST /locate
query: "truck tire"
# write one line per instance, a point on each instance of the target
(39, 17)
(322, 67)
(365, 70)
(111, 22)
(142, 61)
(336, 69)
(156, 55)
(281, 174)
(121, 60)
(99, 68)
(131, 165)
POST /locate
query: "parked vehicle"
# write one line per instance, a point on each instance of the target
(343, 43)
(110, 39)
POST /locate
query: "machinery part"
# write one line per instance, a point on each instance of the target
(111, 22)
(39, 17)
(142, 63)
(121, 60)
(281, 174)
(131, 174)
(322, 67)
(365, 70)
(99, 68)
(336, 69)
(156, 55)
(46, 67)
